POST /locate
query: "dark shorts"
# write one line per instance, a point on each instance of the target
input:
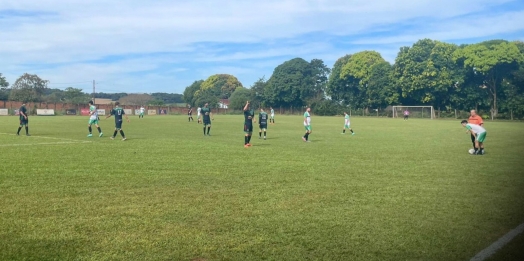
(118, 124)
(263, 126)
(248, 127)
(24, 121)
(207, 122)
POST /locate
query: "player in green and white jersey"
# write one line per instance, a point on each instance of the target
(118, 113)
(142, 110)
(93, 119)
(347, 124)
(480, 136)
(272, 116)
(307, 124)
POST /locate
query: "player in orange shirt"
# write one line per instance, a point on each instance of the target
(474, 118)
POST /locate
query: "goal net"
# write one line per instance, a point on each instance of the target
(426, 112)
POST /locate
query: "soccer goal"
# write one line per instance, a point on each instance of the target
(414, 111)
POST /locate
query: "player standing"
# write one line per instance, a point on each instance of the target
(249, 115)
(474, 118)
(199, 112)
(479, 133)
(93, 119)
(118, 112)
(347, 124)
(142, 110)
(272, 119)
(207, 115)
(24, 120)
(307, 124)
(189, 113)
(262, 123)
(406, 115)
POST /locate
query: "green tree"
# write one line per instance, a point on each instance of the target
(338, 87)
(257, 97)
(239, 97)
(28, 88)
(494, 61)
(320, 73)
(189, 92)
(291, 84)
(220, 85)
(75, 96)
(136, 99)
(381, 89)
(4, 93)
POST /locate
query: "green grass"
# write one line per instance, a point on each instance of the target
(397, 190)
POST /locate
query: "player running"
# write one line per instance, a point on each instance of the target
(249, 116)
(24, 120)
(206, 112)
(480, 135)
(142, 110)
(118, 112)
(347, 124)
(272, 118)
(199, 112)
(307, 124)
(93, 119)
(262, 123)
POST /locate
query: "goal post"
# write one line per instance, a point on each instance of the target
(426, 112)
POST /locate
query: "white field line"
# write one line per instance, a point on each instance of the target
(489, 251)
(46, 143)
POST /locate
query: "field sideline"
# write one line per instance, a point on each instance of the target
(397, 190)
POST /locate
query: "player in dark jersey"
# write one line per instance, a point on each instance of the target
(262, 123)
(24, 120)
(249, 116)
(118, 113)
(189, 113)
(206, 112)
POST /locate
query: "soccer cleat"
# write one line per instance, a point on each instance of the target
(246, 146)
(304, 139)
(123, 139)
(353, 133)
(112, 137)
(264, 137)
(89, 135)
(249, 144)
(101, 134)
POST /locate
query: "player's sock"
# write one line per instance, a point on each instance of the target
(259, 134)
(90, 129)
(26, 130)
(306, 136)
(99, 129)
(204, 130)
(249, 139)
(208, 128)
(344, 131)
(245, 140)
(476, 150)
(18, 132)
(122, 133)
(114, 133)
(351, 130)
(264, 134)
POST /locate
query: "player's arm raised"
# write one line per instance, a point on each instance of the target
(246, 107)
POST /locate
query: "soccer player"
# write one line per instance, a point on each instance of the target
(307, 124)
(474, 118)
(406, 115)
(199, 112)
(142, 110)
(480, 135)
(118, 112)
(189, 113)
(272, 119)
(262, 123)
(249, 116)
(93, 119)
(347, 124)
(207, 115)
(24, 120)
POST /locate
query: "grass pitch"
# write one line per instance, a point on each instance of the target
(397, 190)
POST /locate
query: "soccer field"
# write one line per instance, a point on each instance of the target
(397, 190)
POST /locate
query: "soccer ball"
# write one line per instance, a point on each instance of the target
(471, 151)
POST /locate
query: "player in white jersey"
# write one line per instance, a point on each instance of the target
(142, 110)
(272, 116)
(347, 124)
(199, 111)
(93, 119)
(307, 125)
(480, 135)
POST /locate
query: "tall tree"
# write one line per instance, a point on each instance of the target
(4, 94)
(238, 98)
(75, 96)
(28, 88)
(257, 97)
(189, 92)
(220, 85)
(320, 73)
(337, 87)
(494, 60)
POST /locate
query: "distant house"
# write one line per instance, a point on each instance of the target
(100, 101)
(223, 104)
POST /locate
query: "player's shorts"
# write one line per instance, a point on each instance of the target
(93, 122)
(248, 128)
(308, 128)
(263, 126)
(272, 116)
(347, 126)
(207, 122)
(141, 114)
(24, 121)
(481, 136)
(118, 124)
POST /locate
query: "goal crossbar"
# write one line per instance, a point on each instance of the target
(398, 111)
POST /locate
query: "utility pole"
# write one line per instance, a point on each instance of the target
(94, 91)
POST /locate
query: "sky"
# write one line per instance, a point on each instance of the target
(165, 45)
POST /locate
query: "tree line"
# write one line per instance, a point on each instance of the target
(486, 76)
(31, 88)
